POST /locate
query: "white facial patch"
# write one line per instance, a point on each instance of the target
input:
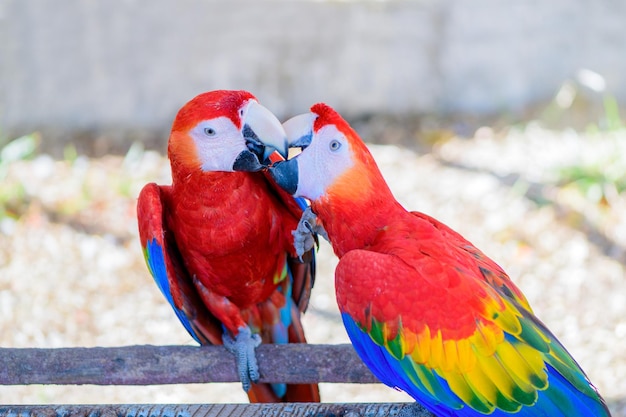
(218, 142)
(322, 162)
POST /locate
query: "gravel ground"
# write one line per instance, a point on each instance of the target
(72, 273)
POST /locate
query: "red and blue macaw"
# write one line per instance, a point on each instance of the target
(428, 312)
(218, 240)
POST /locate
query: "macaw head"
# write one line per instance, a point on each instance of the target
(224, 131)
(334, 162)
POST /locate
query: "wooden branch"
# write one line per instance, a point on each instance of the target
(156, 365)
(220, 410)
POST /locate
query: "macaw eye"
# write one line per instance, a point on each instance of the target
(334, 145)
(209, 131)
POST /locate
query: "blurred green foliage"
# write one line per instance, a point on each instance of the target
(12, 193)
(612, 118)
(18, 149)
(600, 178)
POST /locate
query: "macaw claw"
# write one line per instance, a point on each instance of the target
(305, 235)
(243, 346)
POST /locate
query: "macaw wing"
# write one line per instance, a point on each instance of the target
(454, 343)
(491, 272)
(167, 269)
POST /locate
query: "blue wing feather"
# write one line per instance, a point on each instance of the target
(156, 262)
(560, 398)
(301, 202)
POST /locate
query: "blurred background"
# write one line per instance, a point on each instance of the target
(505, 121)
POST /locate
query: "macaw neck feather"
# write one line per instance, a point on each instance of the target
(208, 188)
(357, 208)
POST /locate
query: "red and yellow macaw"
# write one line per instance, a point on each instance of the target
(427, 311)
(218, 240)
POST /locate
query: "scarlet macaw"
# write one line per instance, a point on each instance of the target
(426, 311)
(218, 240)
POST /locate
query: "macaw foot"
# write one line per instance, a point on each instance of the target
(242, 346)
(305, 235)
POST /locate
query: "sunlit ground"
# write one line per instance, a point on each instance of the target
(550, 207)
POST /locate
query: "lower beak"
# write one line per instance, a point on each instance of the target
(248, 162)
(263, 132)
(285, 173)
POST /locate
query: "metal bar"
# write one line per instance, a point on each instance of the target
(156, 365)
(219, 410)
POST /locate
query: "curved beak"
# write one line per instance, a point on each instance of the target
(299, 130)
(263, 132)
(247, 161)
(285, 173)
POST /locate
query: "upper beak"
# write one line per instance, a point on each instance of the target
(299, 130)
(263, 132)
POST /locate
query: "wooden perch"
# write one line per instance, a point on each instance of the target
(218, 410)
(155, 365)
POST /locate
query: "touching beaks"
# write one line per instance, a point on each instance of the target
(285, 173)
(299, 130)
(263, 132)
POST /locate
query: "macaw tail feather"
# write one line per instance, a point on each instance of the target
(286, 329)
(294, 393)
(291, 393)
(564, 398)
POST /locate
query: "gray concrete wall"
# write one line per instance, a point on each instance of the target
(127, 65)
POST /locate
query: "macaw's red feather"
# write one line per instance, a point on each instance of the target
(233, 220)
(167, 268)
(222, 102)
(232, 269)
(220, 248)
(429, 313)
